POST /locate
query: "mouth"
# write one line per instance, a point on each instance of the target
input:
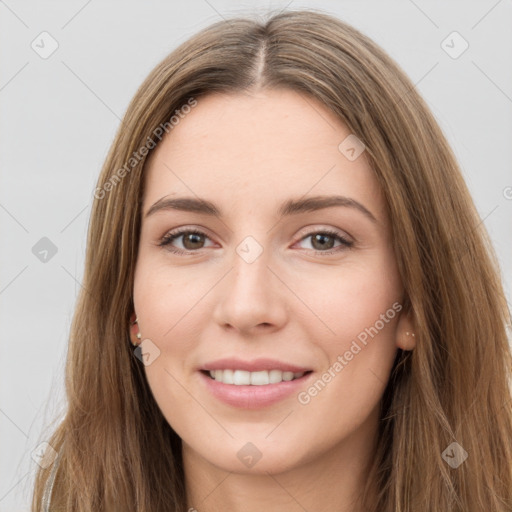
(237, 377)
(253, 384)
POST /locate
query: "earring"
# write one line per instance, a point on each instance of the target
(138, 335)
(410, 335)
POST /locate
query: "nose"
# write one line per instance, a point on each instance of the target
(251, 299)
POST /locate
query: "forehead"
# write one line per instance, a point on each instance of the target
(258, 148)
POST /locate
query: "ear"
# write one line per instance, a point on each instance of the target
(133, 329)
(405, 332)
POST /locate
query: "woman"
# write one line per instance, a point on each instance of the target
(289, 302)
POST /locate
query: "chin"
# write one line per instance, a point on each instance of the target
(249, 458)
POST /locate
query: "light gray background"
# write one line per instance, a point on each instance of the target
(59, 115)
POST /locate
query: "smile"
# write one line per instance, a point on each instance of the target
(260, 378)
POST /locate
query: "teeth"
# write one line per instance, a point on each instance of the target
(259, 378)
(275, 376)
(240, 378)
(244, 378)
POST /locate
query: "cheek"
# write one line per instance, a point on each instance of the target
(164, 305)
(348, 300)
(358, 309)
(165, 308)
(360, 357)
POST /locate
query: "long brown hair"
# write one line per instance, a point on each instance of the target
(117, 451)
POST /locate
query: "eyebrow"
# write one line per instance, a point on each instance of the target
(290, 207)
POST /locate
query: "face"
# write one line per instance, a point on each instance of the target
(277, 266)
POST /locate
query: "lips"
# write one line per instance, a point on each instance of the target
(255, 365)
(253, 384)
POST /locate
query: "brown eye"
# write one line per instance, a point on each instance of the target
(327, 242)
(322, 241)
(191, 240)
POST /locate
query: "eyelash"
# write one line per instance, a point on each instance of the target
(173, 235)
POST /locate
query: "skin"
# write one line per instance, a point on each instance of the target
(249, 153)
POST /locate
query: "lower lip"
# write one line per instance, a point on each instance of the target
(253, 397)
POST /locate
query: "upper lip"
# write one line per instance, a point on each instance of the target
(253, 366)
